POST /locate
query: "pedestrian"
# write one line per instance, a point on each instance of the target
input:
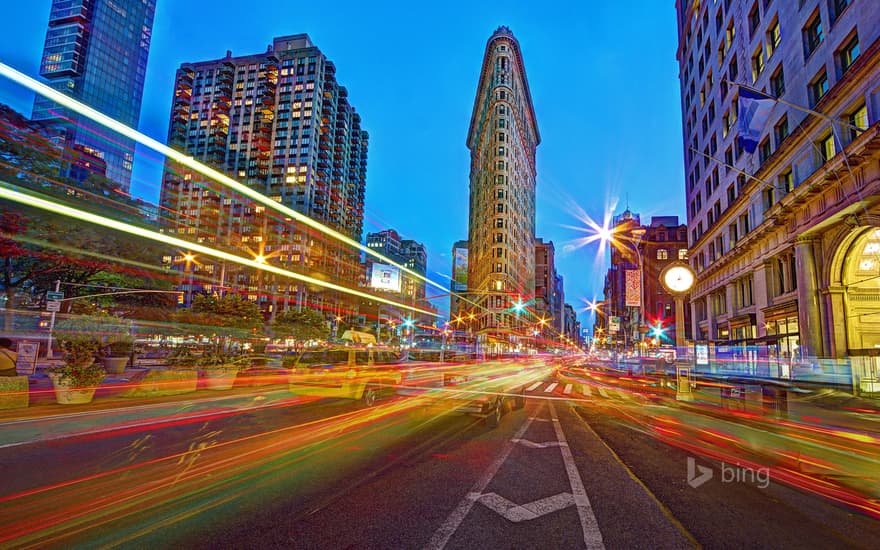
(7, 358)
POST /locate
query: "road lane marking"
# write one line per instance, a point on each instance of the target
(450, 526)
(533, 386)
(516, 513)
(587, 391)
(589, 525)
(603, 393)
(567, 389)
(551, 387)
(533, 445)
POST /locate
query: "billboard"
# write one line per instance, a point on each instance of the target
(385, 277)
(633, 288)
(459, 269)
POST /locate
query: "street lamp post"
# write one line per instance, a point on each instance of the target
(190, 260)
(638, 234)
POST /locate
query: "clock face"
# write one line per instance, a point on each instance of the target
(678, 279)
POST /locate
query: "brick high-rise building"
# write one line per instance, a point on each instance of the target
(280, 123)
(96, 52)
(502, 139)
(784, 240)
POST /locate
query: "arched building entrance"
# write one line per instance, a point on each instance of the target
(852, 301)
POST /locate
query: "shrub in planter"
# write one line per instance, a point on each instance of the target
(220, 369)
(76, 380)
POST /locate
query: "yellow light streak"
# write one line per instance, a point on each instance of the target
(190, 162)
(71, 212)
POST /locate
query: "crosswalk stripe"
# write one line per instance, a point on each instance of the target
(602, 392)
(551, 387)
(587, 391)
(533, 386)
(567, 389)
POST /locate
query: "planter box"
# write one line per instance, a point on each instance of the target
(219, 379)
(65, 394)
(165, 382)
(14, 392)
(114, 365)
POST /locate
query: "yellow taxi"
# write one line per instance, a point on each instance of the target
(363, 374)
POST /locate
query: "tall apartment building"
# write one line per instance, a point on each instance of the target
(785, 240)
(96, 52)
(546, 301)
(280, 123)
(502, 139)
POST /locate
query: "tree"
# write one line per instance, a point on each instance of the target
(230, 310)
(307, 324)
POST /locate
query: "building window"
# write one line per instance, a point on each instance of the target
(499, 208)
(818, 87)
(774, 37)
(765, 149)
(859, 119)
(781, 130)
(682, 253)
(754, 19)
(662, 254)
(499, 193)
(836, 7)
(769, 197)
(786, 181)
(499, 223)
(812, 35)
(849, 53)
(777, 82)
(757, 63)
(827, 150)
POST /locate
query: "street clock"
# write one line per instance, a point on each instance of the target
(678, 278)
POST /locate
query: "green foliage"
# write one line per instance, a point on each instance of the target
(307, 324)
(182, 356)
(119, 345)
(229, 311)
(79, 369)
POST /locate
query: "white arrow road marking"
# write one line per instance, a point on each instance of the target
(567, 389)
(533, 386)
(551, 387)
(445, 531)
(533, 445)
(589, 525)
(603, 393)
(517, 513)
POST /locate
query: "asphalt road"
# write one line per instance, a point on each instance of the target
(575, 468)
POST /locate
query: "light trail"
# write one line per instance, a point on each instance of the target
(71, 212)
(190, 162)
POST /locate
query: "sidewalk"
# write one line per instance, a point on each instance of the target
(112, 411)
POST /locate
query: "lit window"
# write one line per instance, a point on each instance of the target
(662, 254)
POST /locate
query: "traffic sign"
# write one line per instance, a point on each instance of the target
(53, 305)
(54, 296)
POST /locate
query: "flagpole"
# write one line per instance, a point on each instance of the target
(798, 107)
(734, 168)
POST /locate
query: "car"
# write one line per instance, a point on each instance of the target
(484, 389)
(362, 374)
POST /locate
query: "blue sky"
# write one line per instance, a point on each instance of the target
(603, 80)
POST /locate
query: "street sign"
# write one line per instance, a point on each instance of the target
(53, 305)
(54, 296)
